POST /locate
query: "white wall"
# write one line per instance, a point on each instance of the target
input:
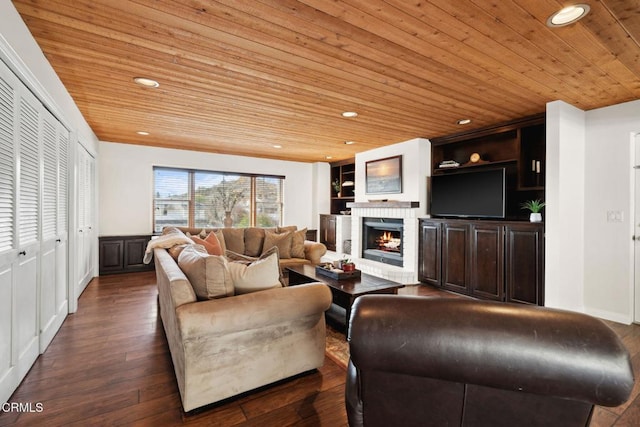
(416, 167)
(588, 257)
(564, 221)
(126, 183)
(608, 290)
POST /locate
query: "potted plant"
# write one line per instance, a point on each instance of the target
(336, 186)
(534, 206)
(348, 265)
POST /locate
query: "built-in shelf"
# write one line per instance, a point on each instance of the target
(518, 146)
(344, 172)
(384, 204)
(476, 165)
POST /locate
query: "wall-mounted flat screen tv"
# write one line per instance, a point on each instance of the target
(472, 194)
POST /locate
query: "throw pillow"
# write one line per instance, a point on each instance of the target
(176, 250)
(282, 241)
(212, 249)
(297, 243)
(234, 239)
(286, 228)
(253, 239)
(220, 237)
(261, 274)
(208, 274)
(213, 240)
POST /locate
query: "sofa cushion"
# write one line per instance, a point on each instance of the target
(290, 262)
(297, 243)
(258, 275)
(208, 274)
(253, 240)
(234, 239)
(280, 240)
(286, 228)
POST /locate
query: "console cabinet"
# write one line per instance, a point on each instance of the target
(328, 231)
(123, 254)
(502, 261)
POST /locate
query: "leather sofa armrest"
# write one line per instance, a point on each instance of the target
(252, 311)
(505, 346)
(314, 251)
(353, 397)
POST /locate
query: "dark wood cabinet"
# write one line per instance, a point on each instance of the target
(455, 256)
(487, 261)
(497, 260)
(123, 254)
(430, 257)
(111, 255)
(328, 231)
(525, 263)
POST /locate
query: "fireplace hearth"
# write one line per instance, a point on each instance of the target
(382, 240)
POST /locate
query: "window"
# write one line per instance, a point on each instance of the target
(206, 199)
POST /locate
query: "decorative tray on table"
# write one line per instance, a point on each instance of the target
(330, 271)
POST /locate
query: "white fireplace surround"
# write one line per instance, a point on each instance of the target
(409, 213)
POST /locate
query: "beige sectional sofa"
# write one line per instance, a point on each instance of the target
(250, 241)
(225, 346)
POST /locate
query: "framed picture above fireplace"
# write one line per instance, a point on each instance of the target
(384, 176)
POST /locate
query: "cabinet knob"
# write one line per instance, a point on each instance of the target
(22, 253)
(58, 240)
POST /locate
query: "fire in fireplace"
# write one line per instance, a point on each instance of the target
(382, 240)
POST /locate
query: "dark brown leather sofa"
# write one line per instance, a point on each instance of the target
(418, 361)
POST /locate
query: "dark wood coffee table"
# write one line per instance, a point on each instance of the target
(344, 291)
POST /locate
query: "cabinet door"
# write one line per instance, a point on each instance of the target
(487, 261)
(455, 257)
(134, 253)
(430, 259)
(328, 231)
(111, 255)
(331, 233)
(525, 263)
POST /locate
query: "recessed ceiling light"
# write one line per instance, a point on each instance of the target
(464, 121)
(568, 15)
(142, 132)
(349, 114)
(143, 81)
(277, 146)
(349, 142)
(328, 157)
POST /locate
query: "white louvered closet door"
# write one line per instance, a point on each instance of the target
(62, 228)
(26, 327)
(8, 249)
(85, 237)
(53, 259)
(34, 158)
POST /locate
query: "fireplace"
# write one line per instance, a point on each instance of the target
(382, 240)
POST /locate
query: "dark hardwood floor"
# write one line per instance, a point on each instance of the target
(110, 365)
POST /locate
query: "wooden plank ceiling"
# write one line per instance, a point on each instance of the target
(241, 76)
